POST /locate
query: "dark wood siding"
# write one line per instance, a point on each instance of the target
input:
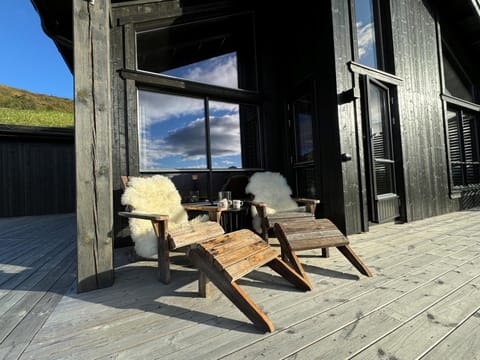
(37, 171)
(347, 117)
(292, 61)
(420, 110)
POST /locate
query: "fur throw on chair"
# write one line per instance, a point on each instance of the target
(153, 194)
(272, 189)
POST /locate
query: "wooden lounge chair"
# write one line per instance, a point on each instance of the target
(179, 236)
(272, 203)
(305, 234)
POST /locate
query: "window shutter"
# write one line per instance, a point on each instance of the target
(454, 138)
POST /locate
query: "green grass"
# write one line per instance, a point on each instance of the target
(35, 118)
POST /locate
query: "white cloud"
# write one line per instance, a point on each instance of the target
(188, 143)
(156, 107)
(221, 71)
(365, 38)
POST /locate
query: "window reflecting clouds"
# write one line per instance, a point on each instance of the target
(225, 135)
(365, 22)
(221, 71)
(173, 132)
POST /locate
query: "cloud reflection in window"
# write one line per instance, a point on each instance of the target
(179, 139)
(172, 128)
(367, 48)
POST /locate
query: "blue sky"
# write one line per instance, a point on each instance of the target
(29, 59)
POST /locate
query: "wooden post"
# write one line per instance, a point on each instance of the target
(93, 144)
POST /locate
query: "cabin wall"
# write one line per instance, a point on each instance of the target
(423, 170)
(420, 110)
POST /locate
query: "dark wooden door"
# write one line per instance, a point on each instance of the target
(383, 200)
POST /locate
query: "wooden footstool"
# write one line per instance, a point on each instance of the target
(229, 257)
(313, 234)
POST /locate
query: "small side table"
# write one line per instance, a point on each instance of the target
(235, 219)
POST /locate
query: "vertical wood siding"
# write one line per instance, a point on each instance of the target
(423, 141)
(347, 118)
(37, 175)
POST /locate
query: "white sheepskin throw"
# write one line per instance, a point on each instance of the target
(154, 194)
(272, 189)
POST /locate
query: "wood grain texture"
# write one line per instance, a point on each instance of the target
(93, 145)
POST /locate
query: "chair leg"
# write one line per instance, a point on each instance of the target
(288, 255)
(204, 287)
(348, 252)
(232, 291)
(297, 278)
(164, 262)
(160, 228)
(325, 252)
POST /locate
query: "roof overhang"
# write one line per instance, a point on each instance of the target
(56, 17)
(57, 22)
(464, 18)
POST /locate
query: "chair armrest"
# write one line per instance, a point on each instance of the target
(262, 214)
(255, 203)
(261, 207)
(214, 212)
(310, 204)
(307, 201)
(144, 216)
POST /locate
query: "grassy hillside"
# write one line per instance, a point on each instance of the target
(20, 107)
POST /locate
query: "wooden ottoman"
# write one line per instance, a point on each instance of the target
(309, 234)
(227, 258)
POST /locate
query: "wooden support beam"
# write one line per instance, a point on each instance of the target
(93, 144)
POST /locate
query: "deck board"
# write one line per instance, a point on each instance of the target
(462, 342)
(421, 302)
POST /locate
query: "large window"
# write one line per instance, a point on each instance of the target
(370, 47)
(197, 104)
(180, 132)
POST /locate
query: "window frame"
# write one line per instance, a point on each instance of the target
(458, 105)
(144, 80)
(382, 33)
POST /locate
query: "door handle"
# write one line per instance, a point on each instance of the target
(346, 157)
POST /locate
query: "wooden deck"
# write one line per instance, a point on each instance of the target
(423, 301)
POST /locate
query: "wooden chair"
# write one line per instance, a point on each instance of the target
(273, 189)
(176, 239)
(305, 234)
(227, 258)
